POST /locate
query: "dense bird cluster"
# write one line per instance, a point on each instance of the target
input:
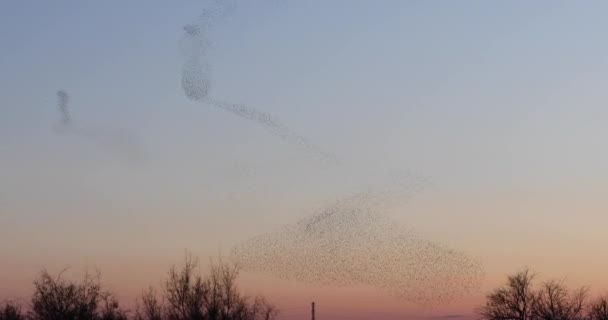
(349, 243)
(196, 83)
(62, 103)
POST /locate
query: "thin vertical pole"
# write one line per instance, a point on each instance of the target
(313, 311)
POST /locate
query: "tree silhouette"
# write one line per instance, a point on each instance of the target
(58, 299)
(150, 308)
(519, 300)
(11, 311)
(185, 295)
(111, 309)
(598, 309)
(554, 302)
(513, 301)
(189, 296)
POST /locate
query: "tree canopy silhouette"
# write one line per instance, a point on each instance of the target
(185, 295)
(11, 311)
(518, 299)
(55, 298)
(598, 309)
(190, 296)
(553, 301)
(513, 301)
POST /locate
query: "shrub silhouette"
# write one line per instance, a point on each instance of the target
(111, 309)
(11, 311)
(150, 308)
(58, 299)
(598, 309)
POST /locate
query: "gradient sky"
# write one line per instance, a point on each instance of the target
(502, 105)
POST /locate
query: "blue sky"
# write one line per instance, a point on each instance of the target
(500, 104)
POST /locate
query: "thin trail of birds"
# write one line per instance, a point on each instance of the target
(196, 84)
(276, 128)
(118, 141)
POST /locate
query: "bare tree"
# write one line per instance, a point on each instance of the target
(189, 296)
(57, 299)
(11, 311)
(598, 309)
(186, 295)
(513, 301)
(111, 309)
(554, 302)
(262, 310)
(150, 308)
(185, 292)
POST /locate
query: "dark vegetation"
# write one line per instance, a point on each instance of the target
(185, 295)
(522, 299)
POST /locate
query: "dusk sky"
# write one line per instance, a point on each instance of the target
(500, 106)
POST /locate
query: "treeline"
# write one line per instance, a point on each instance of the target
(185, 295)
(522, 298)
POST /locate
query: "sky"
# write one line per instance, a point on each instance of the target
(501, 105)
